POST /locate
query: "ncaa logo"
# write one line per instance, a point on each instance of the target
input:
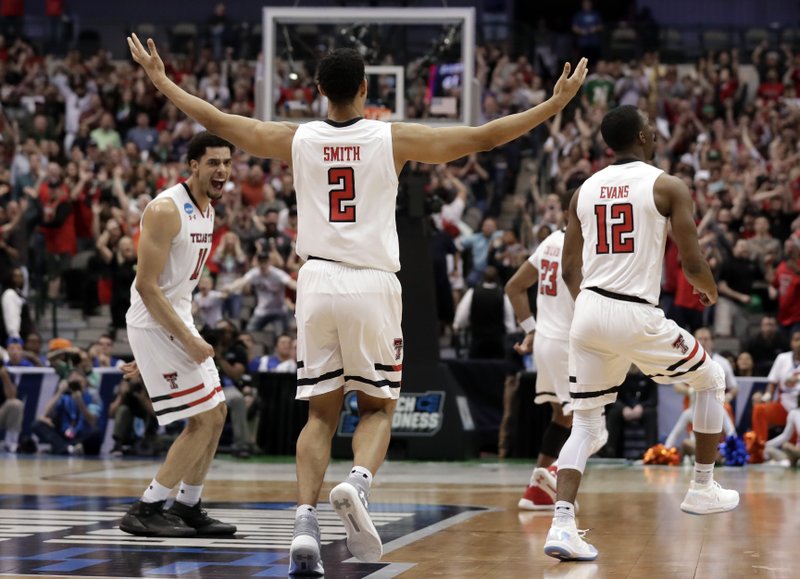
(187, 207)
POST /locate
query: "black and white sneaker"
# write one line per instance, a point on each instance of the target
(197, 518)
(150, 520)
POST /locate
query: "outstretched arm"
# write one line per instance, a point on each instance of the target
(413, 142)
(259, 138)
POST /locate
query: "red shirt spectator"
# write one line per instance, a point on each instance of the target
(252, 187)
(787, 281)
(685, 296)
(58, 221)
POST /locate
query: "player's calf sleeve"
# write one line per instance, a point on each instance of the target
(587, 426)
(708, 406)
(553, 440)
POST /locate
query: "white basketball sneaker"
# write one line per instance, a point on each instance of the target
(565, 542)
(708, 499)
(349, 500)
(304, 553)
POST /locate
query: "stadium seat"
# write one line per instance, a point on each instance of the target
(145, 30)
(180, 34)
(673, 49)
(716, 39)
(624, 43)
(791, 36)
(755, 36)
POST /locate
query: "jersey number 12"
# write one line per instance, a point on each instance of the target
(620, 221)
(344, 178)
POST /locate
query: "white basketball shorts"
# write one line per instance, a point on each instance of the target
(348, 330)
(608, 335)
(178, 386)
(552, 371)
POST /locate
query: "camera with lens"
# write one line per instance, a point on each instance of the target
(75, 385)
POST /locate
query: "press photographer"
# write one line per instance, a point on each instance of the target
(69, 421)
(135, 424)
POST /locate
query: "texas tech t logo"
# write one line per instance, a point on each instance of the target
(172, 380)
(680, 344)
(398, 348)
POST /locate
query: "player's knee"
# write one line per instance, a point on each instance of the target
(213, 419)
(589, 421)
(711, 380)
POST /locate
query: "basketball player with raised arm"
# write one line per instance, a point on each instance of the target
(548, 339)
(176, 364)
(348, 296)
(613, 251)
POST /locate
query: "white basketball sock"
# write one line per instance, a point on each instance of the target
(189, 495)
(362, 473)
(703, 473)
(305, 510)
(155, 493)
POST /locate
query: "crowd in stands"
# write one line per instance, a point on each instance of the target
(87, 142)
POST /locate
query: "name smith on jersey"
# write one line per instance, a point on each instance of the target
(337, 154)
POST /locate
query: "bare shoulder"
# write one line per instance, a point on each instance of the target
(669, 191)
(161, 209)
(667, 182)
(161, 217)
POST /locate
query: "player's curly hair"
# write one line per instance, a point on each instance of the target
(620, 127)
(203, 140)
(340, 74)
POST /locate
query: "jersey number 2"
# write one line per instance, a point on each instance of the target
(548, 279)
(622, 216)
(345, 179)
(201, 258)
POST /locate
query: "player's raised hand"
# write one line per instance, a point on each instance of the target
(568, 85)
(151, 62)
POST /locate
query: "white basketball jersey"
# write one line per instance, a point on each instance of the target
(623, 232)
(346, 185)
(187, 256)
(554, 303)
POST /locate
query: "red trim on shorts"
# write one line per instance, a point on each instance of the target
(205, 398)
(178, 394)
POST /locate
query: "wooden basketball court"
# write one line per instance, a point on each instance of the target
(58, 519)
